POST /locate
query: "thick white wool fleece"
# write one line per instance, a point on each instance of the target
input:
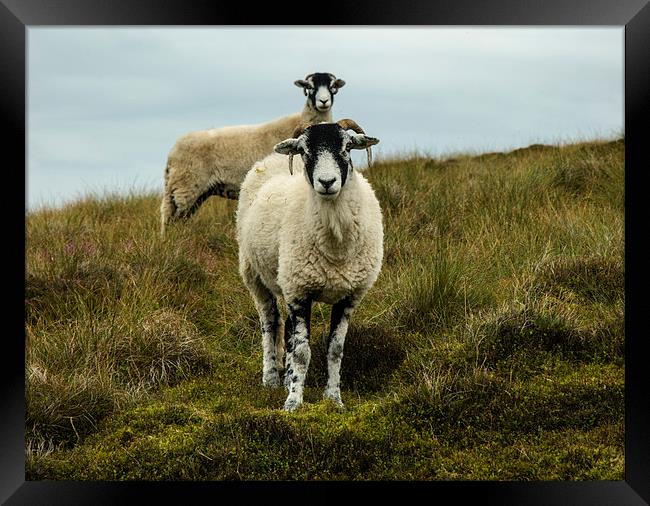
(301, 245)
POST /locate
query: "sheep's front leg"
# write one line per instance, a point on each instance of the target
(341, 312)
(298, 351)
(270, 321)
(267, 308)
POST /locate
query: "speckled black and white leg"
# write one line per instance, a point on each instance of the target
(288, 348)
(279, 346)
(298, 352)
(267, 307)
(269, 320)
(341, 312)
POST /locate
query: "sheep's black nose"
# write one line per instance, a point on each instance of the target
(326, 182)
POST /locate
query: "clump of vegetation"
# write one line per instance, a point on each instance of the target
(79, 372)
(490, 348)
(593, 277)
(432, 292)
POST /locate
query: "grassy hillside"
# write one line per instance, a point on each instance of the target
(491, 346)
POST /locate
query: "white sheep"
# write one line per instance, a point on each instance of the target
(313, 234)
(215, 161)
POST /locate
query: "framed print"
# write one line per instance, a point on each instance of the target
(469, 177)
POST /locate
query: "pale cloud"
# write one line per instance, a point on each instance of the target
(105, 105)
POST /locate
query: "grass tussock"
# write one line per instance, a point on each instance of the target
(80, 372)
(491, 346)
(593, 277)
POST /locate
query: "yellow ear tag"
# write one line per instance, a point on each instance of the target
(260, 168)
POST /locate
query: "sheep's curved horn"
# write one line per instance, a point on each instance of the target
(349, 124)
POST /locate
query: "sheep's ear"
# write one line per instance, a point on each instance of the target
(302, 84)
(339, 83)
(288, 147)
(361, 141)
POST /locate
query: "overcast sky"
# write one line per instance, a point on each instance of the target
(105, 105)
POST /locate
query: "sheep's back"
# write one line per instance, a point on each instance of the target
(227, 153)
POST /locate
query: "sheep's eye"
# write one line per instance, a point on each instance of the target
(333, 90)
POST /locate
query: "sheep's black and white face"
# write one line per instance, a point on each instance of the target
(320, 89)
(325, 151)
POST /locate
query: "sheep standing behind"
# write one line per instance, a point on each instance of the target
(313, 234)
(215, 161)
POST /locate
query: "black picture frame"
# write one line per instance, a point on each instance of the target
(17, 15)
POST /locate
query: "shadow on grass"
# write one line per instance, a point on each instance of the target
(371, 355)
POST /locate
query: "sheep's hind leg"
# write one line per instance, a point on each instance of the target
(182, 203)
(167, 211)
(341, 312)
(298, 351)
(178, 204)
